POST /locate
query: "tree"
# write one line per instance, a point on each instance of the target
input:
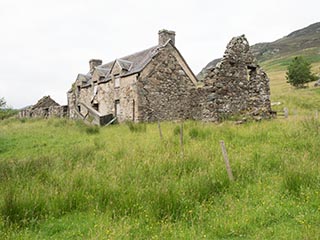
(299, 72)
(5, 111)
(2, 103)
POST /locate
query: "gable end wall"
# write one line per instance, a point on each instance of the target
(164, 88)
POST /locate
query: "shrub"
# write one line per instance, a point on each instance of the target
(7, 113)
(299, 72)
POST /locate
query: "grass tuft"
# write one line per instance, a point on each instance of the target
(92, 129)
(136, 127)
(197, 133)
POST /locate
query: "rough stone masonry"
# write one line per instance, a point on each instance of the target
(236, 85)
(157, 84)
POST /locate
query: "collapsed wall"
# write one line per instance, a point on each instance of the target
(44, 108)
(236, 85)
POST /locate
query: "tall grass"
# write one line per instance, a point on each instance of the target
(60, 181)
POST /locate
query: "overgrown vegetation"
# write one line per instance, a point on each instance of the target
(299, 72)
(58, 182)
(5, 111)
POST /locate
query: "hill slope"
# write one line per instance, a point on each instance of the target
(276, 55)
(295, 42)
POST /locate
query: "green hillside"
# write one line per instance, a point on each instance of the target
(275, 56)
(297, 42)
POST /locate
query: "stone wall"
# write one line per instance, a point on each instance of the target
(105, 96)
(126, 94)
(71, 97)
(237, 84)
(53, 111)
(46, 107)
(164, 89)
(85, 96)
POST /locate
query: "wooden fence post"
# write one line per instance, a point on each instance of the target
(286, 112)
(226, 160)
(181, 139)
(160, 131)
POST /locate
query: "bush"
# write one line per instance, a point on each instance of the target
(7, 113)
(299, 72)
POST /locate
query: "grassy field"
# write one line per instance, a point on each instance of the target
(61, 179)
(64, 180)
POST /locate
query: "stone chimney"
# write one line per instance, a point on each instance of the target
(93, 63)
(165, 35)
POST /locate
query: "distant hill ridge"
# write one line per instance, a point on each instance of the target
(299, 42)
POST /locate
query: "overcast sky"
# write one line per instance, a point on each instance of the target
(44, 44)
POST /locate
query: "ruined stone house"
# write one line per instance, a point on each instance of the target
(46, 107)
(235, 85)
(157, 84)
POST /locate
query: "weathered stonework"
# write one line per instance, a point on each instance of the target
(44, 108)
(164, 88)
(157, 84)
(237, 84)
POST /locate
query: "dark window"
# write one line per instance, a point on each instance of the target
(46, 112)
(96, 106)
(117, 107)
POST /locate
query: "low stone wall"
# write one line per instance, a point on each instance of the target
(53, 111)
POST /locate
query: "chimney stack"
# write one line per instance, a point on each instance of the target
(94, 63)
(165, 35)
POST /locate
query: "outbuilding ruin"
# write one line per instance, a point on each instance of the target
(46, 107)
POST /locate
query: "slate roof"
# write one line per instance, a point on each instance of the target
(124, 64)
(133, 63)
(102, 71)
(84, 77)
